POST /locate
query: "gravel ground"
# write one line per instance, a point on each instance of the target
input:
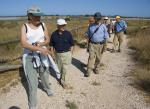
(108, 90)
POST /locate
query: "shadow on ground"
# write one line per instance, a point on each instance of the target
(80, 65)
(14, 107)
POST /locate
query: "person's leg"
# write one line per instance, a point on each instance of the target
(91, 60)
(98, 58)
(66, 60)
(32, 80)
(105, 46)
(59, 61)
(120, 39)
(44, 76)
(64, 70)
(115, 41)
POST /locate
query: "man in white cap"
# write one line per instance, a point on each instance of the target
(61, 43)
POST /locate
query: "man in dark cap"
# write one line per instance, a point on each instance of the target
(97, 35)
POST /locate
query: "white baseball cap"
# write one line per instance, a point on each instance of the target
(61, 22)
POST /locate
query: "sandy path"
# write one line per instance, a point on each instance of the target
(111, 89)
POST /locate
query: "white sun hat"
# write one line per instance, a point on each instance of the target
(61, 22)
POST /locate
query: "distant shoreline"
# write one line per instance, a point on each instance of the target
(24, 17)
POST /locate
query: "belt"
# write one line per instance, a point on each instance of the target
(102, 42)
(62, 51)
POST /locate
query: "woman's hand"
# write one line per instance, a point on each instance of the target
(44, 51)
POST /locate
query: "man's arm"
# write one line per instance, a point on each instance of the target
(106, 35)
(51, 44)
(71, 42)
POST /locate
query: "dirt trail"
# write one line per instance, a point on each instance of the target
(108, 90)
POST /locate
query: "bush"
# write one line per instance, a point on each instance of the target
(140, 42)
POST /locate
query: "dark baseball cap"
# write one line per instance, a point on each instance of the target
(97, 15)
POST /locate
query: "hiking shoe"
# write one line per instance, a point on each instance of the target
(96, 72)
(49, 92)
(86, 75)
(113, 51)
(119, 50)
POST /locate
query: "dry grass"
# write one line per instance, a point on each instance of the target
(139, 41)
(135, 25)
(141, 81)
(7, 80)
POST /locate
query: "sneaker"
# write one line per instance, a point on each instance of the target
(86, 75)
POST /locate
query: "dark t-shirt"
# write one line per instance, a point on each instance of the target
(61, 42)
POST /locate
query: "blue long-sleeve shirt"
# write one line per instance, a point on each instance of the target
(120, 26)
(100, 35)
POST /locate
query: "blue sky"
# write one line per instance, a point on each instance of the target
(77, 7)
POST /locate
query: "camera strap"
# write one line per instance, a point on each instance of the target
(94, 32)
(121, 26)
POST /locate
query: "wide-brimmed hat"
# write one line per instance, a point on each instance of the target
(61, 22)
(35, 11)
